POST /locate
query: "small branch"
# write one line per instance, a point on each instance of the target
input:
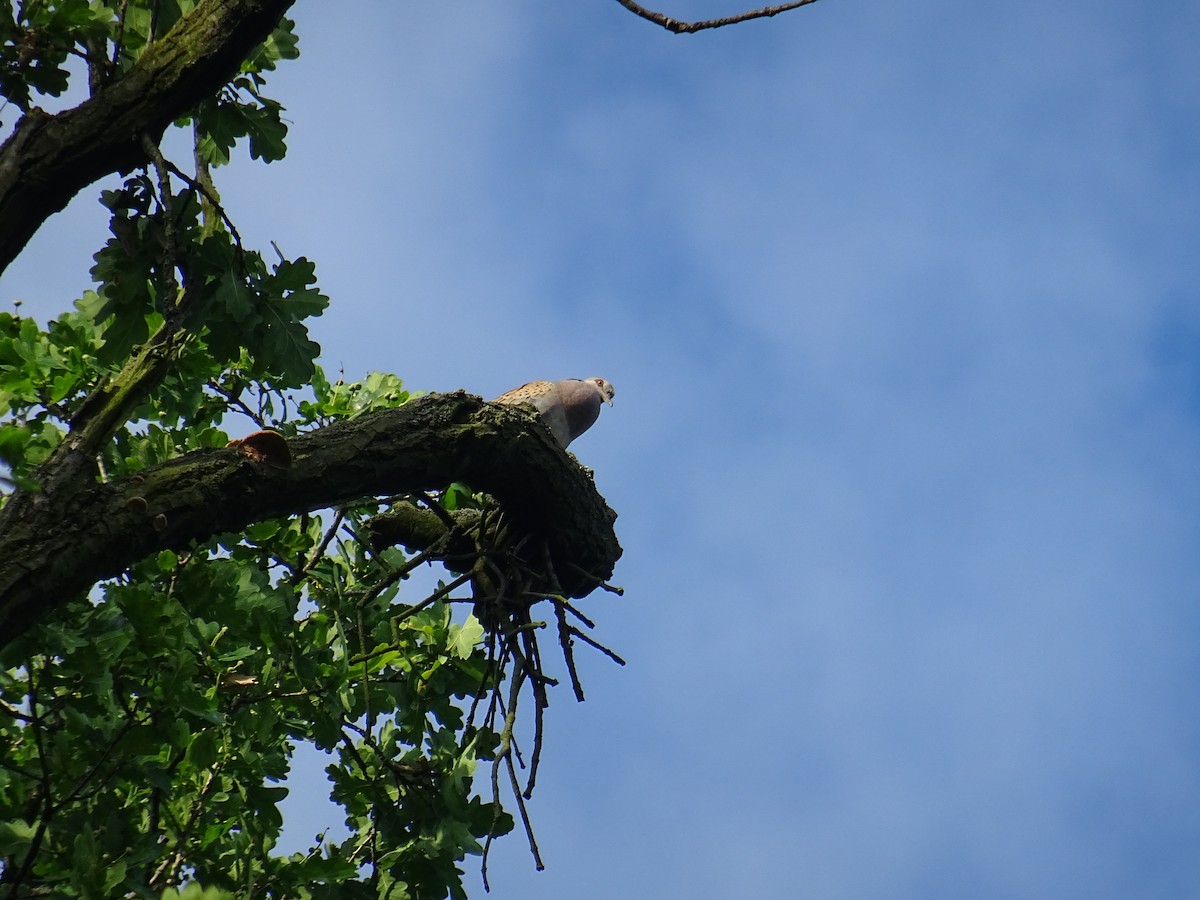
(55, 544)
(319, 550)
(152, 31)
(97, 63)
(431, 599)
(234, 401)
(516, 789)
(599, 582)
(677, 27)
(118, 37)
(564, 641)
(170, 256)
(593, 642)
(204, 186)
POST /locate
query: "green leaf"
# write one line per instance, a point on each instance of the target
(282, 44)
(267, 131)
(114, 875)
(218, 126)
(234, 297)
(15, 837)
(13, 441)
(466, 637)
(203, 749)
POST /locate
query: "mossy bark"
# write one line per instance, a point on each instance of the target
(48, 159)
(68, 539)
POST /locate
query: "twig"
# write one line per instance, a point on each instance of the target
(493, 671)
(538, 679)
(533, 847)
(118, 37)
(319, 550)
(399, 573)
(203, 184)
(599, 582)
(561, 605)
(171, 302)
(14, 712)
(570, 607)
(564, 641)
(165, 873)
(599, 646)
(678, 27)
(82, 781)
(431, 599)
(505, 757)
(234, 400)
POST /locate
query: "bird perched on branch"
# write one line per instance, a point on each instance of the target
(569, 407)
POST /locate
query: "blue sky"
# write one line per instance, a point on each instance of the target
(900, 303)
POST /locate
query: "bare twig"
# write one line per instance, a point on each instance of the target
(234, 401)
(599, 582)
(204, 185)
(170, 256)
(319, 550)
(678, 27)
(430, 600)
(506, 756)
(568, 649)
(593, 642)
(569, 607)
(118, 37)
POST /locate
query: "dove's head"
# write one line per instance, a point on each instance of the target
(607, 392)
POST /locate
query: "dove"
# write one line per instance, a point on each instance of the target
(569, 407)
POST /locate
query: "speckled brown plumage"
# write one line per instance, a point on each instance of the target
(569, 407)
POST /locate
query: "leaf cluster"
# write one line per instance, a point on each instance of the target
(36, 39)
(145, 734)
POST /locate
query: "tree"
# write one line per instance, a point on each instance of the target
(178, 611)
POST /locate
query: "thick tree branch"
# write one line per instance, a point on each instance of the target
(418, 528)
(678, 27)
(48, 159)
(68, 540)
